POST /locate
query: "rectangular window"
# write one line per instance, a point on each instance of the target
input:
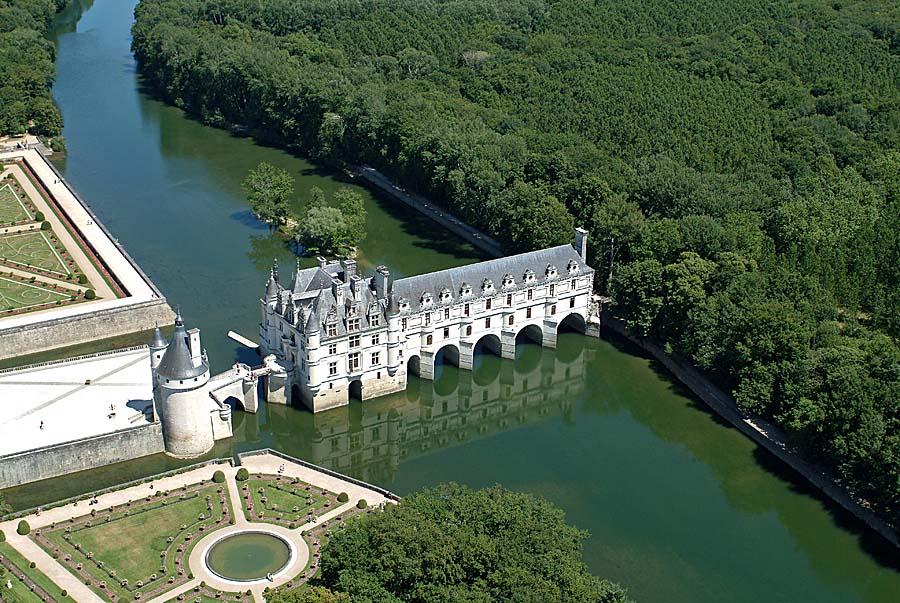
(376, 339)
(353, 324)
(427, 318)
(553, 310)
(530, 294)
(354, 341)
(487, 304)
(374, 320)
(332, 369)
(508, 299)
(332, 349)
(403, 324)
(528, 313)
(466, 309)
(446, 332)
(552, 290)
(572, 302)
(376, 358)
(353, 362)
(446, 313)
(487, 322)
(332, 330)
(574, 284)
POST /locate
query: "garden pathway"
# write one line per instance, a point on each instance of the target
(265, 463)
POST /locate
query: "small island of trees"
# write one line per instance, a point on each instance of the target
(328, 228)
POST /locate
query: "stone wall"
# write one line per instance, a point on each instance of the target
(90, 326)
(766, 435)
(89, 453)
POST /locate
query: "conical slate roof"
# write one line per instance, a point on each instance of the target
(176, 363)
(159, 342)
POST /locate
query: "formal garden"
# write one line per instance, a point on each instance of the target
(19, 294)
(28, 584)
(15, 207)
(138, 549)
(285, 501)
(39, 252)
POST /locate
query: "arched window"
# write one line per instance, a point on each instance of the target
(468, 330)
(429, 340)
(510, 320)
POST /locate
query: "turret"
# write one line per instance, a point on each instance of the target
(157, 348)
(183, 402)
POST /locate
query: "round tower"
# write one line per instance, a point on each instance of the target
(183, 402)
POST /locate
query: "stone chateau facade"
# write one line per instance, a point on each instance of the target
(337, 335)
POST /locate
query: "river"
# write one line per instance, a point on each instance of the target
(680, 507)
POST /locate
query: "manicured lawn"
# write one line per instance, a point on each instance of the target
(143, 547)
(11, 207)
(16, 295)
(33, 249)
(284, 501)
(132, 545)
(22, 592)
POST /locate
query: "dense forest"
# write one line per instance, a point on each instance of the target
(737, 164)
(451, 544)
(26, 67)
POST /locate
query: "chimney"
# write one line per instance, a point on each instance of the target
(382, 282)
(194, 346)
(322, 262)
(580, 243)
(349, 269)
(337, 289)
(356, 286)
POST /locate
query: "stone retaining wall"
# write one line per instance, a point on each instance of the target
(82, 328)
(766, 435)
(79, 455)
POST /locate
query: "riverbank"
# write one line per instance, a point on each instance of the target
(375, 179)
(766, 435)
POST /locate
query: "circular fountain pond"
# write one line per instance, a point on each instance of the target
(248, 556)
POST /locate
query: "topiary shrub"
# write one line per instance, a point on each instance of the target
(2, 536)
(23, 529)
(64, 594)
(39, 217)
(219, 477)
(242, 474)
(362, 504)
(343, 497)
(90, 294)
(82, 279)
(45, 225)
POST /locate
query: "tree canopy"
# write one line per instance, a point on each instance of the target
(736, 163)
(453, 544)
(269, 190)
(332, 230)
(26, 67)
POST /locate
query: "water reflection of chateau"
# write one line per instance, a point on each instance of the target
(370, 440)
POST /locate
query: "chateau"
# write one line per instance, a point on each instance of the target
(337, 335)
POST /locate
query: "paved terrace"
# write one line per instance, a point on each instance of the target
(58, 402)
(137, 287)
(263, 463)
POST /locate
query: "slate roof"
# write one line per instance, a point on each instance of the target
(176, 363)
(159, 342)
(412, 288)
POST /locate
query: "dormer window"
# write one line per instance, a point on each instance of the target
(446, 296)
(487, 286)
(426, 300)
(404, 303)
(528, 277)
(572, 267)
(465, 290)
(508, 281)
(551, 271)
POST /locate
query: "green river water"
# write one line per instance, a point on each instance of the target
(680, 507)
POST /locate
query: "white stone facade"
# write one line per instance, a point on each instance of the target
(338, 336)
